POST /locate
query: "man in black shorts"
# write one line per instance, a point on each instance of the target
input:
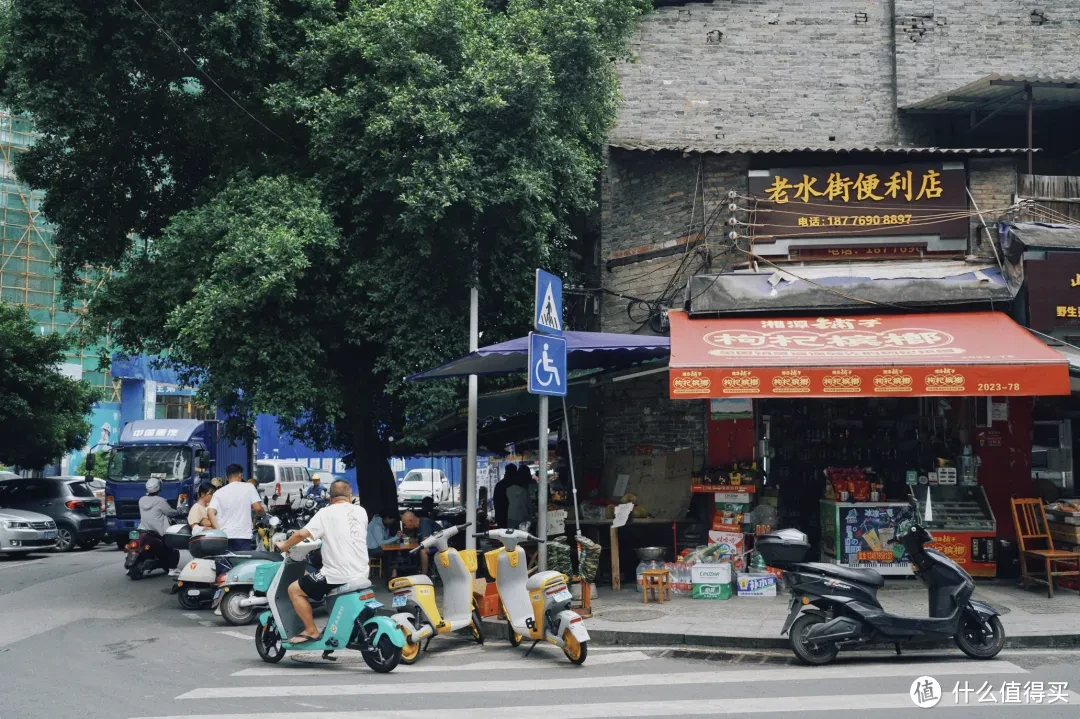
(342, 527)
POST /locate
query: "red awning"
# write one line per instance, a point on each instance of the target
(916, 355)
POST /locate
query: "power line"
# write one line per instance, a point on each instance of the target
(207, 75)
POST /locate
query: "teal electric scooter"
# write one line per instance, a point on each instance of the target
(353, 621)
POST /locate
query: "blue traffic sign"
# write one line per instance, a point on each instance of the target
(547, 365)
(547, 314)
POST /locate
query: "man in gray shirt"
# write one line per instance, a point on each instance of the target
(156, 515)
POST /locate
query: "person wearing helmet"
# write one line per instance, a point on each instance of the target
(156, 515)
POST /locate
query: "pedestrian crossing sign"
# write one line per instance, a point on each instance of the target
(548, 303)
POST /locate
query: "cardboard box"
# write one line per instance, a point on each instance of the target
(711, 591)
(756, 585)
(732, 541)
(487, 605)
(719, 573)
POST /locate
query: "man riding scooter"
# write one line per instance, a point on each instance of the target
(155, 515)
(342, 527)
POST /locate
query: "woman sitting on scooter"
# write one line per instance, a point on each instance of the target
(199, 516)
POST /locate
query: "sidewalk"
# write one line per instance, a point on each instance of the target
(1029, 617)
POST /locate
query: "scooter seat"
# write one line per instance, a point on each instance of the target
(258, 554)
(354, 586)
(859, 576)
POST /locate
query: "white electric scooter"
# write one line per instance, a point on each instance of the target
(537, 607)
(416, 595)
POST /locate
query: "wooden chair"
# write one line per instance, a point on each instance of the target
(1033, 535)
(375, 565)
(657, 581)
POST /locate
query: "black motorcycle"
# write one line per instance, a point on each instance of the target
(145, 552)
(835, 607)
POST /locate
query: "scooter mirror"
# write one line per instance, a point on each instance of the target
(274, 521)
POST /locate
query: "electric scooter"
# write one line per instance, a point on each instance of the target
(237, 601)
(537, 607)
(353, 621)
(145, 552)
(416, 595)
(835, 607)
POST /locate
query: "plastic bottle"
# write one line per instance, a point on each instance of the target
(641, 567)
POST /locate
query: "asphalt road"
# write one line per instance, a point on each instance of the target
(77, 638)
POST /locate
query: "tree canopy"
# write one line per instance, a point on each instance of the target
(293, 196)
(43, 413)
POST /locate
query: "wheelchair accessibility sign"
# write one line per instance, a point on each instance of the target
(547, 365)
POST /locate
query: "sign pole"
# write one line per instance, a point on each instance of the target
(470, 462)
(541, 515)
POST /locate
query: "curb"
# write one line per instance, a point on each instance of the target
(497, 627)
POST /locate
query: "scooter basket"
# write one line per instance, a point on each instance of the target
(264, 575)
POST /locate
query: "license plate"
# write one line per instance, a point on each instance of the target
(134, 534)
(375, 604)
(193, 592)
(50, 535)
(563, 596)
(217, 595)
(94, 511)
(398, 601)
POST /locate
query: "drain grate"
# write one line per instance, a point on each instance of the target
(630, 615)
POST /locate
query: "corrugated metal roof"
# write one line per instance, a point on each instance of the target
(991, 91)
(722, 149)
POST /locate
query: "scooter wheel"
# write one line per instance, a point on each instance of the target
(135, 571)
(410, 653)
(268, 643)
(382, 657)
(187, 601)
(574, 650)
(476, 627)
(233, 613)
(981, 641)
(805, 651)
(514, 637)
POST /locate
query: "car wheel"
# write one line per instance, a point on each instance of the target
(65, 538)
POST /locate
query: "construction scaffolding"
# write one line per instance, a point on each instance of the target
(27, 255)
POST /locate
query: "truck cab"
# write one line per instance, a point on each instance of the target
(182, 453)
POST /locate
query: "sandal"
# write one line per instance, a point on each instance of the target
(302, 639)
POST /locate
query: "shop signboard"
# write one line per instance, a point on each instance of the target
(916, 199)
(1054, 292)
(915, 355)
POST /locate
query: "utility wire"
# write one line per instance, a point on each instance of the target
(207, 75)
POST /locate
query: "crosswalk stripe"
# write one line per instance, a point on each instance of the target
(688, 707)
(625, 680)
(428, 665)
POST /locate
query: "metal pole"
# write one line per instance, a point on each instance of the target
(1030, 119)
(470, 469)
(570, 459)
(541, 515)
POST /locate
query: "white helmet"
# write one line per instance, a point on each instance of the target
(153, 485)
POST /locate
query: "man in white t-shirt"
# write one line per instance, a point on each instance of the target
(231, 507)
(342, 527)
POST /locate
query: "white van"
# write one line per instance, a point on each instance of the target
(281, 480)
(420, 483)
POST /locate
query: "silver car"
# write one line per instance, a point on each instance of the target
(23, 532)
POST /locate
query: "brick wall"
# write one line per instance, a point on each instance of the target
(785, 72)
(944, 44)
(646, 204)
(992, 182)
(639, 411)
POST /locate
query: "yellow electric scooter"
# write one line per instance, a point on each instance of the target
(415, 595)
(537, 607)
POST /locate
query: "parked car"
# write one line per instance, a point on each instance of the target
(97, 486)
(23, 532)
(283, 478)
(420, 483)
(68, 501)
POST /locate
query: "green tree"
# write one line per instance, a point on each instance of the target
(101, 465)
(43, 413)
(296, 194)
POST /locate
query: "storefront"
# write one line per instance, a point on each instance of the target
(851, 414)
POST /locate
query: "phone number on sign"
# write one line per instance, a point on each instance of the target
(858, 220)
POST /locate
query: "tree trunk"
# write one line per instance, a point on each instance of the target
(374, 478)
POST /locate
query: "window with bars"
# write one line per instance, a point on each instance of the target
(171, 406)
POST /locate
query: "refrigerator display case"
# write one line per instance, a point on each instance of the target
(963, 526)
